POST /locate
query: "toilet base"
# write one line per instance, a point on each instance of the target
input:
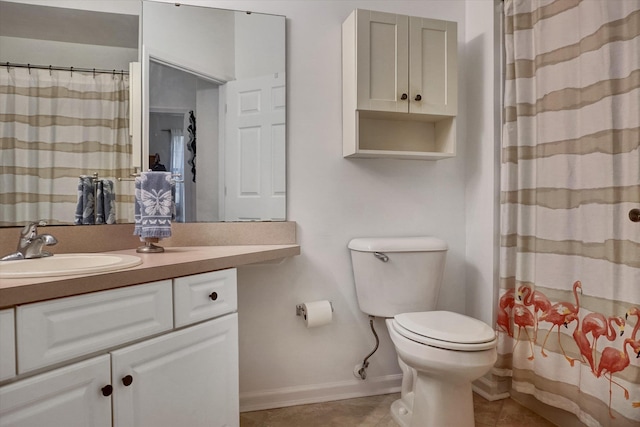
(439, 406)
(401, 413)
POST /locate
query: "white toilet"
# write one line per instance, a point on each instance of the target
(440, 352)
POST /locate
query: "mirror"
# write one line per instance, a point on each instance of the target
(61, 122)
(214, 111)
(235, 181)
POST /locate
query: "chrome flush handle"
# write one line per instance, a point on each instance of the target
(382, 257)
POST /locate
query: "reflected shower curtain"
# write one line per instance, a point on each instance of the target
(77, 123)
(177, 168)
(569, 304)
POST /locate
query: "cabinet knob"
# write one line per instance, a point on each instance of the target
(107, 390)
(213, 296)
(127, 380)
(418, 97)
(634, 215)
(404, 96)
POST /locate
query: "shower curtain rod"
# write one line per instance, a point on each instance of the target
(70, 69)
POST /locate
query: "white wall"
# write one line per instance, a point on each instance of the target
(482, 160)
(333, 200)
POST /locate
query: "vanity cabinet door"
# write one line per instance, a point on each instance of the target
(7, 344)
(185, 378)
(71, 396)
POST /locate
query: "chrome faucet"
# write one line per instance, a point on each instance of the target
(31, 243)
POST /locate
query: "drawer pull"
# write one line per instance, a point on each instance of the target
(127, 380)
(418, 97)
(107, 390)
(404, 96)
(213, 296)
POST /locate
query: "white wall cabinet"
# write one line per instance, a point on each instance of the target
(399, 86)
(173, 377)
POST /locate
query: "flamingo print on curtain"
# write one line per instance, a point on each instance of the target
(569, 301)
(56, 126)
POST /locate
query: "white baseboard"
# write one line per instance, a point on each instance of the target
(316, 393)
(491, 388)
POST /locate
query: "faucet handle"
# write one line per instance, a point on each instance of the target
(31, 228)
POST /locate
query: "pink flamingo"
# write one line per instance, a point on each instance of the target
(598, 325)
(557, 314)
(634, 311)
(583, 343)
(523, 317)
(614, 360)
(506, 301)
(535, 298)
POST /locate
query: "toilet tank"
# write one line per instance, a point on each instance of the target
(409, 280)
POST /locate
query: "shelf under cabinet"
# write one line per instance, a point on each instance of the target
(401, 136)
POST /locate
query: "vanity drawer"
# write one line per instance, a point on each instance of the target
(204, 296)
(7, 344)
(58, 330)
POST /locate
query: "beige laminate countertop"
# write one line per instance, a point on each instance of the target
(173, 262)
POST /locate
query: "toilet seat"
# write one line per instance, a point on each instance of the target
(446, 330)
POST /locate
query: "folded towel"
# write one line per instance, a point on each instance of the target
(99, 211)
(86, 201)
(109, 201)
(154, 205)
(105, 212)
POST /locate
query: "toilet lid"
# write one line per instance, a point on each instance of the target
(447, 330)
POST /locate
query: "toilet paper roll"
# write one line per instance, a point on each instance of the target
(317, 313)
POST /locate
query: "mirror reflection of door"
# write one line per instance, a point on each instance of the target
(174, 93)
(167, 143)
(254, 149)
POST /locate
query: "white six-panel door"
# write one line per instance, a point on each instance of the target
(254, 149)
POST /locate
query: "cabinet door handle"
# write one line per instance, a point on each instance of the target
(213, 296)
(404, 96)
(127, 380)
(107, 390)
(634, 215)
(418, 97)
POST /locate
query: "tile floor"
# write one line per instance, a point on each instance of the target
(374, 412)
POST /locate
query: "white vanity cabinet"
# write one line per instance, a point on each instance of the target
(167, 376)
(7, 344)
(399, 82)
(186, 378)
(70, 396)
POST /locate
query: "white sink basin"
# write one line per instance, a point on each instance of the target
(66, 265)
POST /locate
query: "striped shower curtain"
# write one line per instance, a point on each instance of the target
(569, 303)
(54, 127)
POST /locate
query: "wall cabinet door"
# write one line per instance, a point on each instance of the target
(184, 378)
(70, 396)
(406, 64)
(433, 71)
(382, 49)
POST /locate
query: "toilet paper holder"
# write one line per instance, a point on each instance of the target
(300, 311)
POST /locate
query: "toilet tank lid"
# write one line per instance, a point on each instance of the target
(398, 244)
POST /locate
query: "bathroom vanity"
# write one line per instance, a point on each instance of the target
(152, 345)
